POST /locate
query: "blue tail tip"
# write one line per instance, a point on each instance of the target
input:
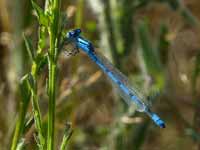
(161, 123)
(157, 120)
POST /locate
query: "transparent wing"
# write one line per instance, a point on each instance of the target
(121, 77)
(70, 48)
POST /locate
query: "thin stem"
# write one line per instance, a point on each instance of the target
(37, 117)
(35, 103)
(51, 110)
(67, 135)
(196, 96)
(25, 93)
(54, 8)
(79, 14)
(18, 129)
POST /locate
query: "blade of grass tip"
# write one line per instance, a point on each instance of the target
(67, 135)
(40, 14)
(25, 94)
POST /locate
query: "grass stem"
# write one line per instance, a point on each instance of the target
(54, 10)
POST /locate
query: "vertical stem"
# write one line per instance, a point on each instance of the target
(51, 110)
(26, 94)
(35, 99)
(196, 96)
(37, 114)
(79, 14)
(18, 128)
(54, 8)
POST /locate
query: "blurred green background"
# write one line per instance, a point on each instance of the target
(154, 42)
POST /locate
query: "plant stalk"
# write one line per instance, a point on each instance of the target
(19, 127)
(51, 110)
(54, 9)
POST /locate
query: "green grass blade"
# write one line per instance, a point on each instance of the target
(25, 94)
(42, 18)
(29, 47)
(67, 135)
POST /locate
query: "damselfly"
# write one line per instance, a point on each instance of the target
(130, 95)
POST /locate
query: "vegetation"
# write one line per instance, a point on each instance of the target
(53, 101)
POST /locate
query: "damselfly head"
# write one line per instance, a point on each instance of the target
(74, 33)
(69, 44)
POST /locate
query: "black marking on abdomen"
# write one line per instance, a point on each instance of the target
(130, 94)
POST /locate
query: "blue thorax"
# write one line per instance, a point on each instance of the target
(81, 43)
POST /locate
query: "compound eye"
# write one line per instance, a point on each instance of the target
(78, 31)
(72, 33)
